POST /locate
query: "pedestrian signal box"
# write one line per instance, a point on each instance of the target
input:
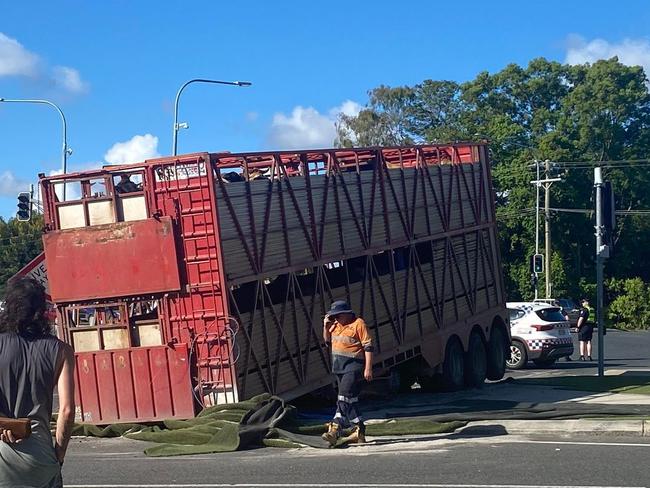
(537, 263)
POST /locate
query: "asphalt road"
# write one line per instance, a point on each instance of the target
(623, 351)
(466, 458)
(470, 458)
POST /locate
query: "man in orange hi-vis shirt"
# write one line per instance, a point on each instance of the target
(351, 363)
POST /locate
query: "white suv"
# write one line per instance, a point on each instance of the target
(540, 332)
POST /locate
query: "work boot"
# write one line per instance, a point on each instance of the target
(357, 436)
(332, 434)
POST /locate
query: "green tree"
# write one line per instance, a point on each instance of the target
(20, 242)
(546, 110)
(631, 307)
(384, 122)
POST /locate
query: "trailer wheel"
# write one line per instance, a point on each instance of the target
(496, 357)
(475, 362)
(453, 367)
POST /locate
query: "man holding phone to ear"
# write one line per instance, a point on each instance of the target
(351, 363)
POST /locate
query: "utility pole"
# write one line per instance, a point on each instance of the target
(547, 230)
(602, 252)
(546, 182)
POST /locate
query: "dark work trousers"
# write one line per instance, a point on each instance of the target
(347, 411)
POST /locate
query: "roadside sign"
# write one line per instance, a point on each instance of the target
(36, 269)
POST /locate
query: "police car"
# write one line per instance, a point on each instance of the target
(540, 333)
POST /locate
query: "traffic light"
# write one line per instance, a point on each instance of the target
(24, 207)
(537, 263)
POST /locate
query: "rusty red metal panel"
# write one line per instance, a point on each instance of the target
(144, 399)
(124, 385)
(138, 384)
(183, 187)
(114, 260)
(106, 387)
(87, 401)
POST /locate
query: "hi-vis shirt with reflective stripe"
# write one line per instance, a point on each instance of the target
(349, 342)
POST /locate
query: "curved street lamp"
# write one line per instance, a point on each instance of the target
(66, 150)
(178, 95)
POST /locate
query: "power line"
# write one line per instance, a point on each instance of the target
(607, 162)
(591, 211)
(612, 164)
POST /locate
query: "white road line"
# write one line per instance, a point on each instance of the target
(339, 485)
(578, 443)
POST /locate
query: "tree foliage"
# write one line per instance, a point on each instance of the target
(20, 242)
(630, 308)
(546, 110)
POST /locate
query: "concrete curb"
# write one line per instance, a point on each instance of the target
(573, 426)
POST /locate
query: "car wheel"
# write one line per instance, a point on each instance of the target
(496, 355)
(518, 356)
(453, 367)
(544, 363)
(475, 362)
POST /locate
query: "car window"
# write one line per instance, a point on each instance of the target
(551, 315)
(515, 313)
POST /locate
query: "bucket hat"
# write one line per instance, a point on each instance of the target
(339, 306)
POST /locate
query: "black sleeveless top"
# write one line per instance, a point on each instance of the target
(28, 373)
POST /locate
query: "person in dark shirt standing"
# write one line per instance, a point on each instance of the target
(351, 363)
(32, 363)
(126, 185)
(585, 331)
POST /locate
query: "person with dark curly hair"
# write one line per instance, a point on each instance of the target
(32, 363)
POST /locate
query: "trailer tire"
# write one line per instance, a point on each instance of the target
(496, 356)
(475, 361)
(453, 367)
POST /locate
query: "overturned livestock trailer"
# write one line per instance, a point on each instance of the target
(205, 279)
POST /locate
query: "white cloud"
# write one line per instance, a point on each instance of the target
(16, 60)
(307, 128)
(135, 150)
(10, 184)
(631, 52)
(349, 108)
(69, 79)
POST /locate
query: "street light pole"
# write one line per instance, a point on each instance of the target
(537, 222)
(178, 96)
(547, 231)
(65, 150)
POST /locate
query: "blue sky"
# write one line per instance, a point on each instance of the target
(114, 67)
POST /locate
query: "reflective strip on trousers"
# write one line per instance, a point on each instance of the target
(345, 399)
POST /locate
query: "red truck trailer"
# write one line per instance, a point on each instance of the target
(205, 279)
